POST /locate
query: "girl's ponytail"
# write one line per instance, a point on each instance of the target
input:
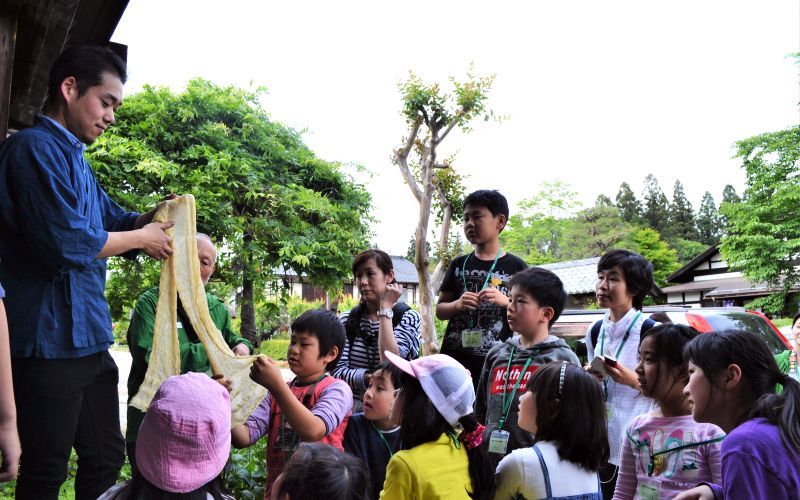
(781, 409)
(481, 467)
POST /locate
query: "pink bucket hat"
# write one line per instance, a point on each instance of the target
(185, 438)
(444, 380)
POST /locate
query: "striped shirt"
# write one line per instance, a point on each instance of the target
(362, 355)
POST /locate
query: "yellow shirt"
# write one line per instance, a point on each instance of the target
(432, 470)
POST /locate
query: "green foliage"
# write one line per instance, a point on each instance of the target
(275, 348)
(261, 193)
(687, 249)
(763, 238)
(681, 222)
(629, 207)
(656, 206)
(594, 231)
(771, 304)
(536, 231)
(648, 244)
(246, 473)
(781, 322)
(708, 221)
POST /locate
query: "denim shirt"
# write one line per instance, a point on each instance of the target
(54, 220)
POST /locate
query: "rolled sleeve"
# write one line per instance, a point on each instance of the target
(334, 405)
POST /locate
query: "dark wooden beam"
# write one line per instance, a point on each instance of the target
(8, 38)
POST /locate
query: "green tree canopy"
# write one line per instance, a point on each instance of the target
(656, 206)
(534, 233)
(681, 215)
(262, 194)
(763, 239)
(630, 208)
(708, 223)
(648, 243)
(595, 230)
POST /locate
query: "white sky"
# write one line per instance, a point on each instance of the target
(598, 92)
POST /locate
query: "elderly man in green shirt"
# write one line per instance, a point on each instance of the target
(193, 354)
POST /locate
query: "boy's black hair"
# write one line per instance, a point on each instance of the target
(422, 423)
(574, 419)
(387, 367)
(668, 341)
(318, 470)
(491, 199)
(544, 286)
(714, 352)
(637, 271)
(324, 325)
(86, 63)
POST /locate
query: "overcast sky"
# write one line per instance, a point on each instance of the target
(597, 92)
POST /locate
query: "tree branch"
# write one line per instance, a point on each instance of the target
(401, 160)
(447, 130)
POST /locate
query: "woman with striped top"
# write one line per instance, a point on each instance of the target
(379, 323)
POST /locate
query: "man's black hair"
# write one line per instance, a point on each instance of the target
(492, 200)
(544, 286)
(637, 271)
(86, 63)
(324, 325)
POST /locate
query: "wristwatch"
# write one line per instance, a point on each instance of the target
(386, 312)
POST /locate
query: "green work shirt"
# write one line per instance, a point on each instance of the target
(193, 354)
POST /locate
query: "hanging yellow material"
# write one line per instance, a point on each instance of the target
(180, 275)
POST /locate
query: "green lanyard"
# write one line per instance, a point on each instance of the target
(657, 455)
(488, 275)
(624, 337)
(508, 400)
(383, 438)
(306, 401)
(619, 348)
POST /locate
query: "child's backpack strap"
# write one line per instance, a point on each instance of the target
(596, 332)
(545, 473)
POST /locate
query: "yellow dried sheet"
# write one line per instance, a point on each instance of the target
(180, 275)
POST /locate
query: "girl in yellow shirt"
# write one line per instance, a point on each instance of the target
(441, 455)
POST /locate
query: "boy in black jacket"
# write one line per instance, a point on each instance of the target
(537, 299)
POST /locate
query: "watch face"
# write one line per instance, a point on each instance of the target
(388, 313)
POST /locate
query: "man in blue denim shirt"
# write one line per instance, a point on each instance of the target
(58, 226)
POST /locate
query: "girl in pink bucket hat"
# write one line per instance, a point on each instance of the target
(442, 455)
(184, 442)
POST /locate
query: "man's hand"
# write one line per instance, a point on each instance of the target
(147, 217)
(11, 450)
(265, 372)
(468, 301)
(154, 241)
(494, 296)
(241, 349)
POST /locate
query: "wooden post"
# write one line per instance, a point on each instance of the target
(8, 38)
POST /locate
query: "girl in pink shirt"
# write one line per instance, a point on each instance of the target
(666, 452)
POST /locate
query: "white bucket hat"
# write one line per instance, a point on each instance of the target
(445, 381)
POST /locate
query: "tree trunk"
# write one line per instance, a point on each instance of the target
(444, 244)
(430, 345)
(247, 310)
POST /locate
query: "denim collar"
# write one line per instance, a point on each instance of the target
(70, 136)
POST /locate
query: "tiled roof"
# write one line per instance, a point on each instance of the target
(404, 270)
(578, 276)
